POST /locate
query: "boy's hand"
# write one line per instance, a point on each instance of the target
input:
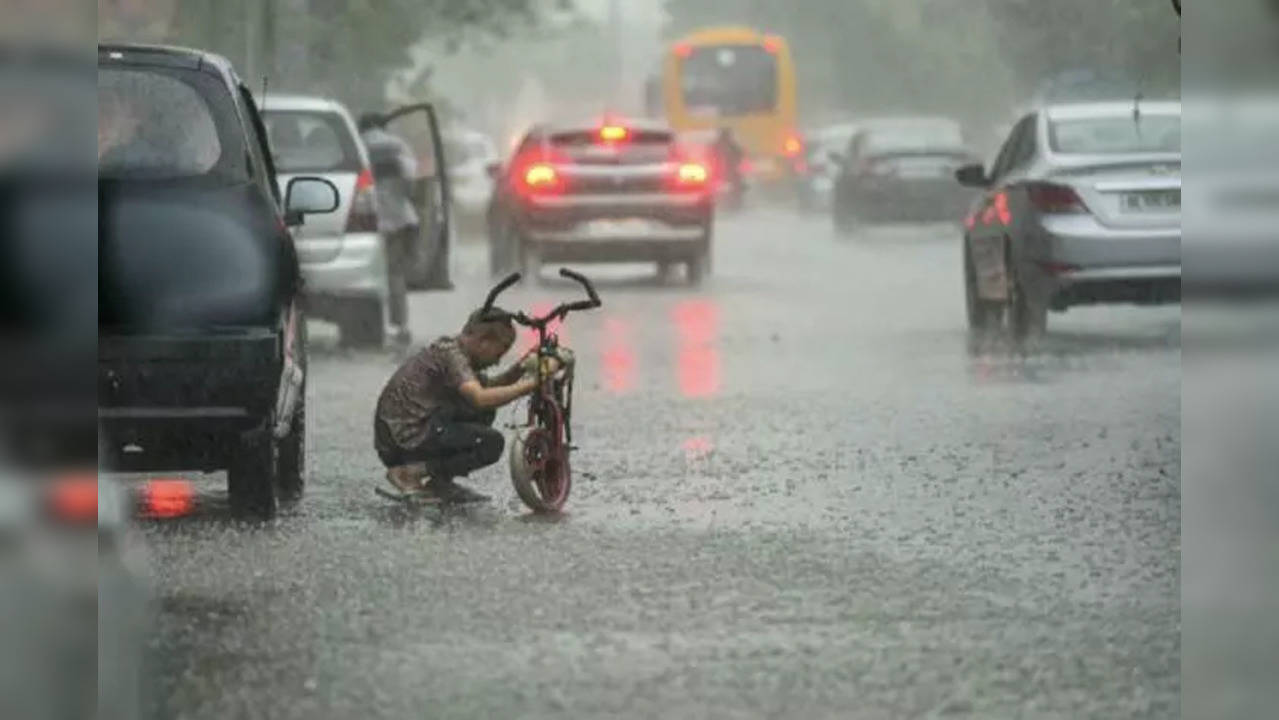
(550, 366)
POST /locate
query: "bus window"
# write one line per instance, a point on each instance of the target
(729, 80)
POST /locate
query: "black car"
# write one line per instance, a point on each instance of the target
(901, 170)
(601, 192)
(201, 350)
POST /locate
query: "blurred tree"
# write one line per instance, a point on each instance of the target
(344, 48)
(1133, 39)
(859, 57)
(975, 59)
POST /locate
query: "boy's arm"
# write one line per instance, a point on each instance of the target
(486, 398)
(509, 375)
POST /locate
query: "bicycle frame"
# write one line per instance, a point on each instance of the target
(551, 404)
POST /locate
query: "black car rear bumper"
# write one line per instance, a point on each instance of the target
(181, 402)
(900, 200)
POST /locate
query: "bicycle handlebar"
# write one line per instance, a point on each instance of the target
(594, 301)
(498, 289)
(558, 313)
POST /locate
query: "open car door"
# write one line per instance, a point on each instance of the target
(419, 125)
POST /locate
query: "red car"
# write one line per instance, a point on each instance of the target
(601, 192)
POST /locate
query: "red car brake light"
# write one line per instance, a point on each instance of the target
(614, 133)
(1052, 199)
(540, 176)
(692, 174)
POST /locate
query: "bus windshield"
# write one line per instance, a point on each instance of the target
(729, 80)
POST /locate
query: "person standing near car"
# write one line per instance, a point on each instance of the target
(394, 168)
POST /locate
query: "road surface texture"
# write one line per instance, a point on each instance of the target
(798, 495)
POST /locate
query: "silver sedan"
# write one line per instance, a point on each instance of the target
(1082, 205)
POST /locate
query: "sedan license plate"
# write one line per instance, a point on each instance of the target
(605, 229)
(1151, 201)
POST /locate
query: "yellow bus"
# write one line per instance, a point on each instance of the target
(738, 78)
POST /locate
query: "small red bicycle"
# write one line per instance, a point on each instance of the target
(539, 454)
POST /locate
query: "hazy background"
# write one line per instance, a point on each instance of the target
(501, 64)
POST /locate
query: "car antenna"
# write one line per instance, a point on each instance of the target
(263, 103)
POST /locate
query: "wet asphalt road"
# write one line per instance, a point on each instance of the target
(797, 495)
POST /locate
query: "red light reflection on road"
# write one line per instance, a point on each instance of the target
(698, 447)
(618, 357)
(697, 322)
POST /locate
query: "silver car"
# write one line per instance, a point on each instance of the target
(343, 255)
(1081, 206)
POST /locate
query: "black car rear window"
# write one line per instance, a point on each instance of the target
(311, 142)
(167, 123)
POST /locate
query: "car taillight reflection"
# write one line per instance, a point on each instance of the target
(618, 357)
(697, 322)
(528, 336)
(697, 447)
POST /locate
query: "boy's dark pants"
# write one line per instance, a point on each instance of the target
(457, 442)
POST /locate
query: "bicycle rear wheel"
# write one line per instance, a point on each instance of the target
(539, 462)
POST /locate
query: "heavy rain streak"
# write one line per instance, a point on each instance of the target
(622, 359)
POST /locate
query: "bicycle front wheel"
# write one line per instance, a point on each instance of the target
(539, 462)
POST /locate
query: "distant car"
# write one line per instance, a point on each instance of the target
(343, 255)
(601, 192)
(470, 154)
(817, 185)
(1082, 206)
(900, 169)
(201, 337)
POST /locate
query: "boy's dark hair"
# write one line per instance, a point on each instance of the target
(493, 324)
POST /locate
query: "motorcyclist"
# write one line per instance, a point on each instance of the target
(394, 169)
(729, 155)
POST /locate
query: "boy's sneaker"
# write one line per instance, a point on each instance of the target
(406, 478)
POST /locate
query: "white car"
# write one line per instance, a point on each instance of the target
(470, 155)
(343, 256)
(1082, 206)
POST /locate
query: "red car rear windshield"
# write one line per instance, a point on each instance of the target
(587, 147)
